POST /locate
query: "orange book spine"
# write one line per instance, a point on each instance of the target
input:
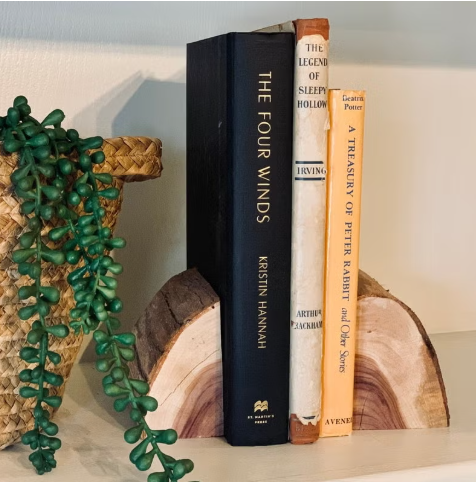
(344, 179)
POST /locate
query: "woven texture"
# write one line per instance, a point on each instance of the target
(128, 159)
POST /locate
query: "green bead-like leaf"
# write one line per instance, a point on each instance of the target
(108, 293)
(148, 403)
(73, 257)
(105, 178)
(53, 256)
(26, 183)
(144, 462)
(27, 353)
(127, 354)
(140, 386)
(158, 477)
(34, 336)
(27, 312)
(30, 437)
(47, 212)
(113, 390)
(26, 292)
(43, 307)
(52, 193)
(53, 401)
(13, 116)
(50, 293)
(27, 207)
(100, 336)
(104, 365)
(21, 255)
(43, 153)
(65, 166)
(41, 139)
(54, 443)
(51, 429)
(27, 239)
(19, 100)
(133, 435)
(91, 143)
(58, 232)
(54, 118)
(121, 404)
(19, 173)
(25, 375)
(54, 357)
(53, 379)
(109, 281)
(28, 392)
(139, 450)
(115, 306)
(115, 268)
(117, 374)
(110, 193)
(34, 270)
(99, 157)
(60, 331)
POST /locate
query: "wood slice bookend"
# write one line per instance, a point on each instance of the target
(398, 382)
(178, 352)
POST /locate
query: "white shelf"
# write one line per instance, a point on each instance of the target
(94, 450)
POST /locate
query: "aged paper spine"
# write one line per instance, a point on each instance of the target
(308, 227)
(344, 179)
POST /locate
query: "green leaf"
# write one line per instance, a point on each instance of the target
(19, 173)
(148, 403)
(100, 336)
(65, 166)
(28, 392)
(158, 477)
(25, 375)
(19, 100)
(34, 336)
(54, 443)
(27, 353)
(139, 450)
(53, 256)
(115, 268)
(60, 331)
(140, 386)
(108, 293)
(27, 207)
(13, 116)
(105, 178)
(43, 307)
(41, 139)
(30, 437)
(58, 233)
(73, 257)
(21, 255)
(125, 338)
(47, 212)
(103, 365)
(115, 306)
(51, 429)
(85, 220)
(113, 390)
(53, 401)
(53, 379)
(54, 357)
(34, 270)
(98, 157)
(127, 354)
(109, 281)
(27, 239)
(91, 143)
(27, 312)
(42, 154)
(144, 462)
(133, 435)
(121, 404)
(26, 292)
(26, 183)
(52, 193)
(50, 293)
(110, 193)
(54, 118)
(76, 274)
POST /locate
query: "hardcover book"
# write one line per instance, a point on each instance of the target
(308, 225)
(347, 111)
(239, 176)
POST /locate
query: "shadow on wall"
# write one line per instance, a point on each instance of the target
(152, 219)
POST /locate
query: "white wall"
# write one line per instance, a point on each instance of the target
(119, 68)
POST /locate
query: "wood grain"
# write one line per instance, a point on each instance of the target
(398, 381)
(179, 354)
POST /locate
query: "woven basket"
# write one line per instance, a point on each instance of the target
(128, 159)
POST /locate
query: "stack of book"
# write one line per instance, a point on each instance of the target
(274, 169)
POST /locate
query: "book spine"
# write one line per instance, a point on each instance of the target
(347, 111)
(308, 226)
(254, 254)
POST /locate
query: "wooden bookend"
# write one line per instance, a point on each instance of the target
(398, 381)
(179, 354)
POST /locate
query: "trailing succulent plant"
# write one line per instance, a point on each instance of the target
(56, 182)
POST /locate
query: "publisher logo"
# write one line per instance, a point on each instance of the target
(261, 406)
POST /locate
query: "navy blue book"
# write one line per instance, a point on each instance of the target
(239, 196)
